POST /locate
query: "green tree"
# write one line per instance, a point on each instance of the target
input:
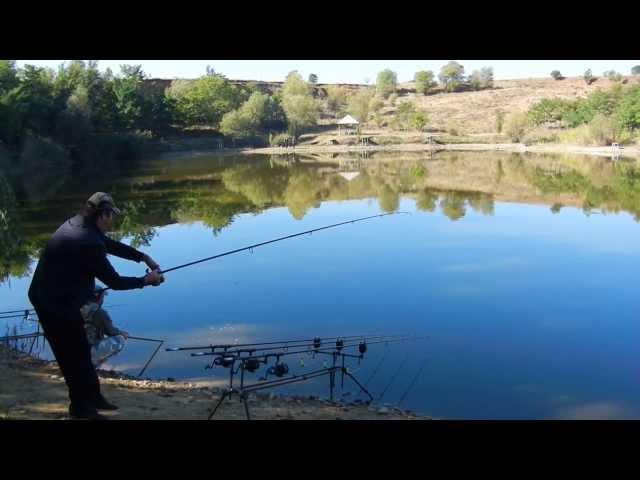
(627, 112)
(301, 109)
(8, 75)
(205, 101)
(259, 114)
(295, 85)
(336, 98)
(635, 70)
(386, 83)
(359, 103)
(556, 75)
(424, 81)
(451, 76)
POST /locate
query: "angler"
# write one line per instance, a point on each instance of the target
(64, 280)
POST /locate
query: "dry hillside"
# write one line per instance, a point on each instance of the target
(475, 112)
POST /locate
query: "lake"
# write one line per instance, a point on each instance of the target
(521, 269)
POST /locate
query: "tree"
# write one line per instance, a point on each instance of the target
(259, 114)
(627, 111)
(556, 75)
(336, 98)
(613, 75)
(204, 101)
(301, 109)
(295, 85)
(635, 70)
(481, 79)
(128, 96)
(451, 76)
(588, 77)
(358, 105)
(313, 79)
(424, 81)
(386, 83)
(8, 75)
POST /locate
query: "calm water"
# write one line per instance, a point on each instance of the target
(521, 269)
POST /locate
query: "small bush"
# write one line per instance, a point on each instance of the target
(539, 135)
(516, 125)
(499, 121)
(453, 128)
(556, 75)
(281, 139)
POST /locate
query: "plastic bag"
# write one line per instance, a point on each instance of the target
(107, 348)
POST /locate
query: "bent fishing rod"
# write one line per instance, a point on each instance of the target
(256, 245)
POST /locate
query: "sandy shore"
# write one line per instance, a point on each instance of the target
(32, 389)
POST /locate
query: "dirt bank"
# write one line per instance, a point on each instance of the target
(32, 389)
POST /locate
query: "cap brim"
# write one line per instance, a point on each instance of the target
(116, 210)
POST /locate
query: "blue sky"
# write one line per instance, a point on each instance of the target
(353, 71)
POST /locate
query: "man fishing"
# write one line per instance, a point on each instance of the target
(64, 280)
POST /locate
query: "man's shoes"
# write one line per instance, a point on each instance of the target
(85, 413)
(103, 404)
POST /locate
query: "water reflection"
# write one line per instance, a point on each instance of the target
(497, 263)
(214, 189)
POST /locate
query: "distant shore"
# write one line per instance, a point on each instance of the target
(629, 151)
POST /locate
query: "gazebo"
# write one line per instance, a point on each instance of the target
(347, 121)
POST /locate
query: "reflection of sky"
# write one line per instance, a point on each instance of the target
(520, 298)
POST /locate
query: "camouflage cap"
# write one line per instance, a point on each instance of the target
(103, 201)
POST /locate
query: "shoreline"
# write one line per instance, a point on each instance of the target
(34, 389)
(626, 152)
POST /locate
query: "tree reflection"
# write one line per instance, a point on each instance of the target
(453, 205)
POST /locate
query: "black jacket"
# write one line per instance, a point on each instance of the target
(73, 258)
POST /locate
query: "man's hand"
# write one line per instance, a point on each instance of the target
(150, 262)
(154, 278)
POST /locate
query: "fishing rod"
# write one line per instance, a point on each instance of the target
(424, 363)
(394, 377)
(239, 360)
(256, 245)
(311, 348)
(161, 342)
(31, 312)
(284, 343)
(7, 338)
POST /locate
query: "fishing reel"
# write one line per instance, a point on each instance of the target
(279, 370)
(225, 362)
(251, 364)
